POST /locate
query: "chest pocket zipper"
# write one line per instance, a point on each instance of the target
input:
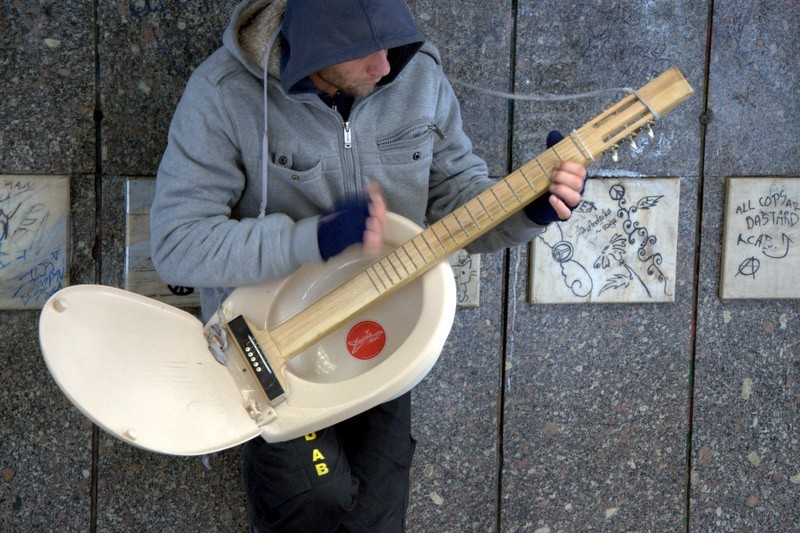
(411, 135)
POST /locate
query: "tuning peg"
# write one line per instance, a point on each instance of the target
(634, 146)
(615, 153)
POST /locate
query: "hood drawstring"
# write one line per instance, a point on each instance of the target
(262, 210)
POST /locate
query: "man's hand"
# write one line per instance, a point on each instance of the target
(361, 220)
(566, 187)
(376, 223)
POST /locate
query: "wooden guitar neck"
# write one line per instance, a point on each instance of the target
(436, 243)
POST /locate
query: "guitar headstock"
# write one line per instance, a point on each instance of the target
(634, 113)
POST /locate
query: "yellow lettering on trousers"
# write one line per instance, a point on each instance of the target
(317, 456)
(322, 469)
(311, 436)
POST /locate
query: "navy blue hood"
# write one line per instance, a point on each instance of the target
(321, 33)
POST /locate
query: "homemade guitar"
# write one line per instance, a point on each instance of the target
(297, 356)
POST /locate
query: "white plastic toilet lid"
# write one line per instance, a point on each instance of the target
(142, 371)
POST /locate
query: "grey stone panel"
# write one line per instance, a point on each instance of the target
(147, 51)
(145, 491)
(746, 438)
(578, 47)
(595, 407)
(45, 443)
(47, 68)
(454, 474)
(82, 230)
(112, 232)
(474, 38)
(753, 84)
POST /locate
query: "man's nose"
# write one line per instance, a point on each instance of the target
(378, 63)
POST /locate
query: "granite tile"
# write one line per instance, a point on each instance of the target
(746, 425)
(474, 39)
(454, 474)
(145, 491)
(147, 51)
(589, 46)
(112, 232)
(754, 128)
(83, 211)
(595, 406)
(47, 68)
(45, 443)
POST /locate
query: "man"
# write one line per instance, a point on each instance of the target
(354, 97)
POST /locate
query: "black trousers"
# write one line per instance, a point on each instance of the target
(353, 476)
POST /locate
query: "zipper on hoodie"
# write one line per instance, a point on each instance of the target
(348, 135)
(408, 135)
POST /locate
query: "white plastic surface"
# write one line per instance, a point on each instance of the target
(141, 370)
(326, 384)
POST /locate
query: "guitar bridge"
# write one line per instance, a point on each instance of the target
(256, 359)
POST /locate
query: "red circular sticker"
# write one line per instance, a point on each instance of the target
(366, 340)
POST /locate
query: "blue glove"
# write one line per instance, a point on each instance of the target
(540, 210)
(344, 226)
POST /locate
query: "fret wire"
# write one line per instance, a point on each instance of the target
(553, 148)
(507, 182)
(418, 250)
(389, 276)
(542, 167)
(499, 201)
(438, 238)
(399, 275)
(472, 217)
(444, 225)
(369, 277)
(455, 215)
(484, 208)
(375, 270)
(416, 266)
(526, 179)
(427, 243)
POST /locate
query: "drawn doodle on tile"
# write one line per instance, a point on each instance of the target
(762, 225)
(613, 248)
(466, 269)
(33, 239)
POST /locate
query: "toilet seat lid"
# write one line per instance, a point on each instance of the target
(142, 371)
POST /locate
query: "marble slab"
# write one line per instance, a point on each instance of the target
(595, 410)
(619, 246)
(582, 47)
(45, 443)
(454, 477)
(146, 491)
(147, 50)
(34, 239)
(753, 76)
(760, 254)
(745, 461)
(47, 67)
(474, 39)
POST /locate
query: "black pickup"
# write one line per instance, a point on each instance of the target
(256, 359)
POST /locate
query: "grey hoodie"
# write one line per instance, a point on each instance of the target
(206, 228)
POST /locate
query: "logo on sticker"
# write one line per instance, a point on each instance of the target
(366, 340)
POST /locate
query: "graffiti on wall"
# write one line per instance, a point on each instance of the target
(761, 258)
(619, 245)
(34, 230)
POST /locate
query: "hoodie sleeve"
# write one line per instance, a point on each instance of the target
(195, 241)
(458, 175)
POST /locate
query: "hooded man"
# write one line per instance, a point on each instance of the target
(360, 118)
